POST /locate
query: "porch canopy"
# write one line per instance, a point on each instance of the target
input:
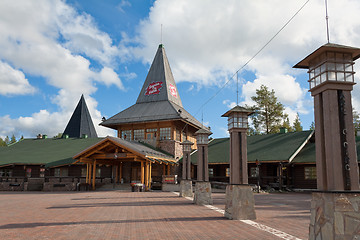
(115, 151)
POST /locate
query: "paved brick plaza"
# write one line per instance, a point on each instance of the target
(150, 215)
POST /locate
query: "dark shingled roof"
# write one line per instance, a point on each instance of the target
(308, 154)
(44, 151)
(80, 122)
(265, 148)
(163, 103)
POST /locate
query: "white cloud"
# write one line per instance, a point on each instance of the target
(52, 40)
(207, 43)
(122, 5)
(13, 82)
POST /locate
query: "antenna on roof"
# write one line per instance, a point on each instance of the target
(161, 34)
(327, 22)
(237, 88)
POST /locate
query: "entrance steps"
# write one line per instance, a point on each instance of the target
(126, 187)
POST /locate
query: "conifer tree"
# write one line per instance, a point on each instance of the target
(2, 143)
(269, 113)
(312, 126)
(13, 139)
(297, 124)
(356, 119)
(7, 140)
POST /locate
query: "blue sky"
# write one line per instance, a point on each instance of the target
(53, 51)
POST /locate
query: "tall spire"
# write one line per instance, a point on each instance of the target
(159, 84)
(80, 122)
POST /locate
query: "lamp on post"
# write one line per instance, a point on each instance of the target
(202, 186)
(239, 201)
(331, 80)
(186, 183)
(237, 126)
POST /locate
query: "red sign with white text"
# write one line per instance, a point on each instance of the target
(173, 91)
(153, 88)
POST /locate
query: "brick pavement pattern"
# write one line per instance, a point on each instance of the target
(143, 215)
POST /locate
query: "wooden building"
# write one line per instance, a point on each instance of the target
(283, 160)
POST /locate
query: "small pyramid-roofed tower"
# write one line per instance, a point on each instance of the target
(158, 116)
(159, 84)
(80, 123)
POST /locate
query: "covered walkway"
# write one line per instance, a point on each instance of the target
(116, 151)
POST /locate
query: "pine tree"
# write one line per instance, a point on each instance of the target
(13, 139)
(312, 126)
(7, 140)
(286, 123)
(2, 143)
(297, 124)
(269, 113)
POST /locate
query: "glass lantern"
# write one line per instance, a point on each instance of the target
(238, 117)
(187, 146)
(331, 66)
(202, 136)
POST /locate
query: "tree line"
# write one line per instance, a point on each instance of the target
(7, 141)
(269, 115)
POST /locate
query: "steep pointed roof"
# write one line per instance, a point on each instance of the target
(159, 84)
(80, 122)
(158, 99)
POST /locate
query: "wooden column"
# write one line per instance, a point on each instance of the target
(150, 175)
(87, 173)
(120, 171)
(164, 169)
(142, 172)
(116, 173)
(146, 175)
(94, 175)
(168, 169)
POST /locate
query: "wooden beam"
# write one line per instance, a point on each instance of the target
(168, 169)
(146, 176)
(94, 175)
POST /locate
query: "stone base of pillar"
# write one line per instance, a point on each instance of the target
(203, 193)
(186, 189)
(239, 202)
(335, 215)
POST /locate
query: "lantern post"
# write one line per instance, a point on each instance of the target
(186, 183)
(239, 201)
(334, 208)
(202, 186)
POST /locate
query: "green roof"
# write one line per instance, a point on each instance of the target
(45, 151)
(265, 148)
(307, 154)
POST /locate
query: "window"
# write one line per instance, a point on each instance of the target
(227, 172)
(211, 172)
(42, 172)
(151, 130)
(138, 134)
(165, 133)
(310, 173)
(61, 172)
(126, 134)
(6, 173)
(98, 172)
(177, 135)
